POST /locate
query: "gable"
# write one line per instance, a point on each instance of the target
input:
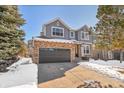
(84, 28)
(57, 22)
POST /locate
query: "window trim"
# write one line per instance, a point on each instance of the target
(56, 35)
(86, 49)
(85, 46)
(73, 34)
(84, 35)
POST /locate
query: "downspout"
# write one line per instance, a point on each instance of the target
(32, 49)
(32, 42)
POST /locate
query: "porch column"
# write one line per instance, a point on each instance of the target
(79, 50)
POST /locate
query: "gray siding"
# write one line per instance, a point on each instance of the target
(54, 24)
(72, 38)
(58, 23)
(78, 36)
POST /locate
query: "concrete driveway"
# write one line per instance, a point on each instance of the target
(77, 76)
(50, 71)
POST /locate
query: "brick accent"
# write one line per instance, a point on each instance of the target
(46, 44)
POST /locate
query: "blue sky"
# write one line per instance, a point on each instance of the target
(74, 16)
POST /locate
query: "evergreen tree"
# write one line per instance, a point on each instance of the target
(118, 33)
(109, 27)
(103, 30)
(10, 32)
(23, 51)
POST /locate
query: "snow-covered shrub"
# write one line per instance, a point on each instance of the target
(22, 73)
(6, 63)
(22, 61)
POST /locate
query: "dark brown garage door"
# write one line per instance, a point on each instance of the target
(48, 55)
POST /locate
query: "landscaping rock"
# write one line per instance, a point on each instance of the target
(95, 84)
(91, 84)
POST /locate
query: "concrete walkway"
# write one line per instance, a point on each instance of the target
(76, 77)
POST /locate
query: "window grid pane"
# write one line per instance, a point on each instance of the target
(82, 35)
(57, 31)
(72, 34)
(86, 49)
(85, 35)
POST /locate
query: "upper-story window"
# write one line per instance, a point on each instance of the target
(84, 35)
(72, 34)
(57, 31)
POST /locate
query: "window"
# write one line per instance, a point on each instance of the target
(86, 49)
(72, 34)
(87, 35)
(58, 31)
(84, 35)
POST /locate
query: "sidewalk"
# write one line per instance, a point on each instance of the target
(76, 77)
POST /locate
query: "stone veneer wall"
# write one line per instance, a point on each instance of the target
(45, 44)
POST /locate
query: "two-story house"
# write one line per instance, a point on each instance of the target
(60, 43)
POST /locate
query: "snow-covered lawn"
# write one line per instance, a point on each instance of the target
(29, 85)
(114, 63)
(21, 74)
(110, 68)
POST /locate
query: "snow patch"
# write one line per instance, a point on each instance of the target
(22, 61)
(110, 68)
(114, 63)
(29, 85)
(23, 72)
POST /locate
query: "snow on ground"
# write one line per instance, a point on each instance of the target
(29, 85)
(110, 68)
(21, 74)
(114, 63)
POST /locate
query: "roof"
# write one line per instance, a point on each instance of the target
(83, 27)
(71, 29)
(53, 20)
(58, 40)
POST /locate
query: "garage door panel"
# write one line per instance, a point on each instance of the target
(54, 55)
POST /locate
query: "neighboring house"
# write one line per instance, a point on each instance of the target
(60, 43)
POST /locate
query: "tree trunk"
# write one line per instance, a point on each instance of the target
(102, 54)
(121, 56)
(106, 55)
